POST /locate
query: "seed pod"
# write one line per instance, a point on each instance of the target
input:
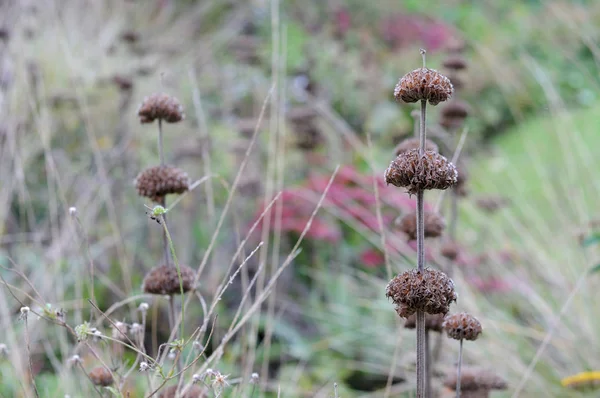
(164, 280)
(100, 376)
(191, 392)
(455, 62)
(434, 225)
(450, 250)
(413, 143)
(160, 106)
(432, 322)
(474, 379)
(158, 181)
(430, 291)
(462, 326)
(455, 109)
(414, 172)
(424, 84)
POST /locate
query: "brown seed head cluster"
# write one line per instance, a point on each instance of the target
(100, 376)
(455, 109)
(158, 181)
(191, 392)
(434, 225)
(462, 326)
(424, 84)
(432, 322)
(160, 106)
(455, 62)
(450, 250)
(430, 291)
(415, 172)
(476, 379)
(413, 143)
(164, 280)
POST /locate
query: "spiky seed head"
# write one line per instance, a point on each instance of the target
(455, 109)
(474, 379)
(158, 181)
(455, 62)
(101, 376)
(424, 84)
(433, 322)
(430, 291)
(462, 326)
(164, 280)
(450, 250)
(160, 106)
(491, 204)
(413, 143)
(415, 172)
(434, 224)
(193, 391)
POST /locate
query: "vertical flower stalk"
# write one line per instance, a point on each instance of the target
(424, 290)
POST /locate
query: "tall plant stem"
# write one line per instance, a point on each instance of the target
(163, 203)
(420, 316)
(428, 366)
(458, 369)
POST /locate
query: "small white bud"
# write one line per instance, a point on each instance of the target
(196, 378)
(144, 366)
(72, 211)
(3, 349)
(254, 378)
(75, 359)
(143, 307)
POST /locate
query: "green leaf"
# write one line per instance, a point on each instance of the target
(595, 268)
(591, 240)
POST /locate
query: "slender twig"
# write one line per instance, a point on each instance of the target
(428, 365)
(458, 369)
(29, 362)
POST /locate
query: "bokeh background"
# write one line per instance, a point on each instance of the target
(279, 97)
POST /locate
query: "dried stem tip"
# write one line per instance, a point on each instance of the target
(476, 379)
(462, 326)
(413, 143)
(434, 225)
(100, 376)
(164, 280)
(160, 106)
(415, 172)
(159, 181)
(430, 291)
(432, 322)
(424, 84)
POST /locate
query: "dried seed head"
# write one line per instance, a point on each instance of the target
(474, 379)
(160, 106)
(455, 62)
(455, 109)
(164, 280)
(414, 172)
(158, 181)
(430, 291)
(101, 376)
(491, 204)
(462, 326)
(450, 250)
(413, 143)
(424, 84)
(432, 322)
(191, 392)
(434, 225)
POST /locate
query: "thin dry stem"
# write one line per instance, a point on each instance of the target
(458, 369)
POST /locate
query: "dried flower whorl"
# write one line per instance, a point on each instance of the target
(473, 379)
(424, 84)
(100, 376)
(434, 225)
(455, 62)
(160, 106)
(414, 172)
(164, 280)
(455, 109)
(158, 181)
(450, 250)
(430, 291)
(413, 143)
(191, 392)
(433, 322)
(462, 326)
